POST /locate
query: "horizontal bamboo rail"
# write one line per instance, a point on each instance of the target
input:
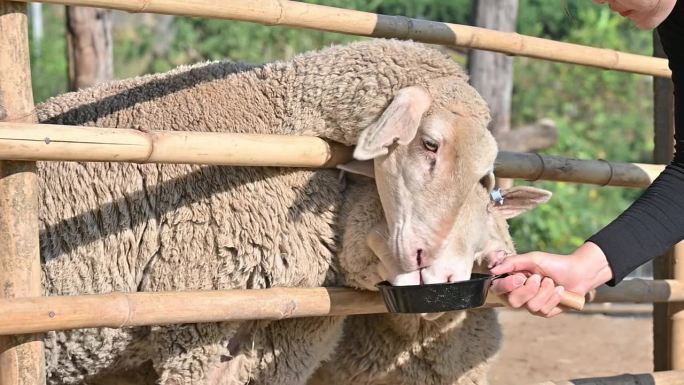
(323, 18)
(115, 310)
(601, 172)
(38, 314)
(69, 143)
(72, 143)
(608, 308)
(673, 377)
(640, 290)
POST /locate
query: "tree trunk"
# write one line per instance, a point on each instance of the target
(89, 46)
(492, 73)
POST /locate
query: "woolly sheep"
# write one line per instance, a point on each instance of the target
(128, 227)
(451, 348)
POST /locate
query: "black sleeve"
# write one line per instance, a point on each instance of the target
(654, 222)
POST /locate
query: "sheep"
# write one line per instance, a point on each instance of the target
(447, 348)
(144, 227)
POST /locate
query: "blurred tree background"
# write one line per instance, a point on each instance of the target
(599, 114)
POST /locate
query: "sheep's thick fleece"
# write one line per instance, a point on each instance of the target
(151, 227)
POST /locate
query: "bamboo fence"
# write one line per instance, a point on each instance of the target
(347, 21)
(69, 143)
(116, 310)
(670, 377)
(21, 357)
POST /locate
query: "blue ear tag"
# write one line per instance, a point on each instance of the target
(497, 197)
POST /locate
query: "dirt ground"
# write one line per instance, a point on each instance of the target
(571, 346)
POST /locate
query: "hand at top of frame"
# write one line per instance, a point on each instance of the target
(538, 279)
(645, 14)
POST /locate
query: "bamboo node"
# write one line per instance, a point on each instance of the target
(143, 8)
(51, 314)
(610, 169)
(47, 140)
(521, 44)
(409, 28)
(542, 169)
(151, 139)
(281, 14)
(129, 308)
(616, 59)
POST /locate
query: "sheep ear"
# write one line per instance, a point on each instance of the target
(398, 123)
(360, 167)
(519, 199)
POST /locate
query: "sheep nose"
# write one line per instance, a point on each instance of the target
(419, 257)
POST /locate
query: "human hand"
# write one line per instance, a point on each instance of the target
(536, 280)
(645, 14)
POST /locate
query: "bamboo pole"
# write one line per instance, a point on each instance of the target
(69, 143)
(28, 315)
(21, 357)
(668, 323)
(323, 18)
(608, 308)
(640, 290)
(600, 172)
(115, 310)
(55, 142)
(676, 311)
(658, 378)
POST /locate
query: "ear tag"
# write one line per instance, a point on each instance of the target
(497, 197)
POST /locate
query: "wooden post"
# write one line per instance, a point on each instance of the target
(676, 312)
(21, 357)
(668, 319)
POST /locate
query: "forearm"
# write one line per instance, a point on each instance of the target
(655, 222)
(648, 228)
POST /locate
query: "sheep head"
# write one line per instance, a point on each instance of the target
(433, 159)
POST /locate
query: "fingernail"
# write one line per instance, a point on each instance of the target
(519, 280)
(560, 289)
(536, 278)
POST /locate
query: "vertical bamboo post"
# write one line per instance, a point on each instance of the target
(676, 312)
(668, 319)
(21, 357)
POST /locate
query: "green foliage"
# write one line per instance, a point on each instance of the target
(198, 39)
(48, 57)
(600, 114)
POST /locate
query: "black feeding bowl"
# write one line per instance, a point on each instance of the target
(438, 297)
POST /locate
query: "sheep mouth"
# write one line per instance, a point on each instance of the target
(430, 275)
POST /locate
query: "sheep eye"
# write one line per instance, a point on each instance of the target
(430, 145)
